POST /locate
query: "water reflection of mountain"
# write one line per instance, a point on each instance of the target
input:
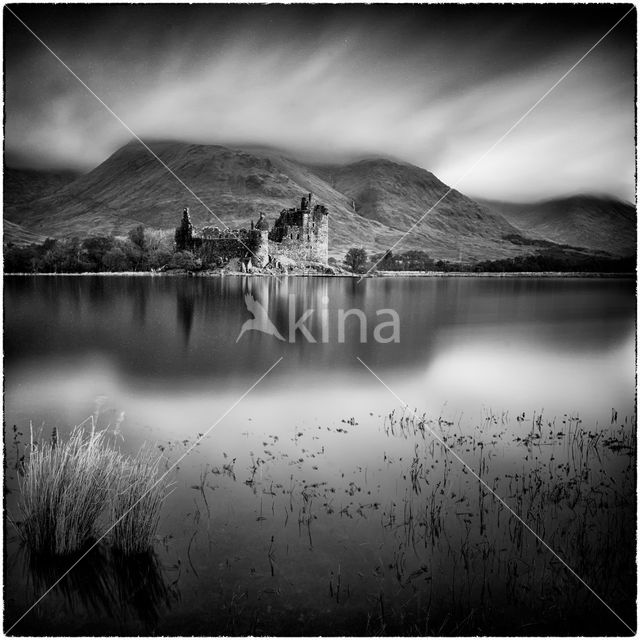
(184, 330)
(103, 588)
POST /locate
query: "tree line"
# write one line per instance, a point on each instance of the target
(141, 250)
(144, 249)
(548, 259)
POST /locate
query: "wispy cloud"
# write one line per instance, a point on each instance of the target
(432, 93)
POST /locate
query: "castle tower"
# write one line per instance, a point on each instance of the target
(320, 247)
(302, 234)
(261, 257)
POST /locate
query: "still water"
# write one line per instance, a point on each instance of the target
(319, 502)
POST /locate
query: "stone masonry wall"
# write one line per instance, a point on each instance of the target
(301, 235)
(312, 246)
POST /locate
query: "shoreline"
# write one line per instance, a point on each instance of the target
(384, 274)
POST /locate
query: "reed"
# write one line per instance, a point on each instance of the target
(65, 486)
(135, 506)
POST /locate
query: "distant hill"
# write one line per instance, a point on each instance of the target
(593, 222)
(21, 186)
(372, 203)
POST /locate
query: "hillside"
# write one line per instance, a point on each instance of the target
(18, 235)
(21, 186)
(371, 203)
(398, 194)
(594, 222)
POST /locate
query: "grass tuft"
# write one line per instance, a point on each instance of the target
(136, 502)
(68, 483)
(64, 490)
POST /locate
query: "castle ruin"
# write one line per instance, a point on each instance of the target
(299, 236)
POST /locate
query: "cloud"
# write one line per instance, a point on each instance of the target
(344, 89)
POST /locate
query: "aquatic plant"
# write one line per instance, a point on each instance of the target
(558, 480)
(136, 502)
(423, 546)
(65, 486)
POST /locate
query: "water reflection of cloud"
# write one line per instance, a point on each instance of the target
(432, 85)
(495, 375)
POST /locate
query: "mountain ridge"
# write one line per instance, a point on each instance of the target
(372, 202)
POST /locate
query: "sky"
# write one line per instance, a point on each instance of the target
(437, 86)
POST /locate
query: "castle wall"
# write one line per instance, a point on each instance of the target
(301, 246)
(297, 250)
(301, 235)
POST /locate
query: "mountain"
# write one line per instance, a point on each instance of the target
(399, 194)
(372, 203)
(131, 187)
(594, 222)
